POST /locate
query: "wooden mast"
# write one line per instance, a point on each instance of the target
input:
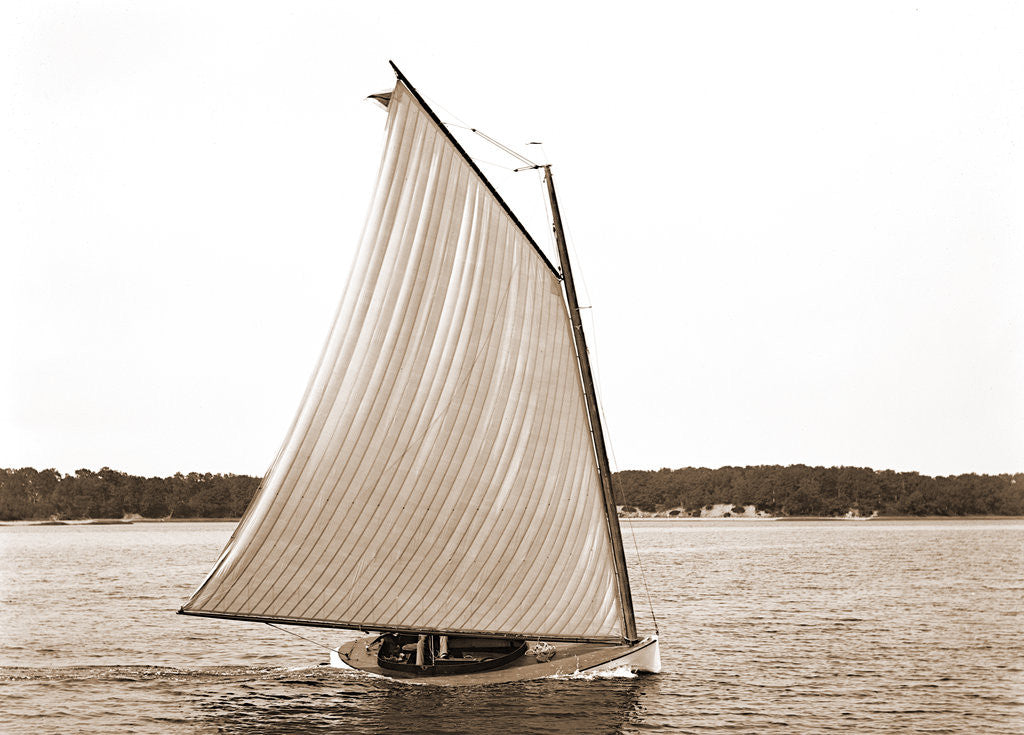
(611, 513)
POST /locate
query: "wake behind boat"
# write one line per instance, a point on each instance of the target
(445, 485)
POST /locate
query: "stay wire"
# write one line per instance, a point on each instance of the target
(292, 632)
(435, 104)
(496, 143)
(608, 441)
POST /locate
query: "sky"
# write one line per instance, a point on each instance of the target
(799, 226)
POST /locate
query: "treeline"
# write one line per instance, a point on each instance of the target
(28, 494)
(798, 490)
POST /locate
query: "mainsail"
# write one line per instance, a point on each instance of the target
(440, 475)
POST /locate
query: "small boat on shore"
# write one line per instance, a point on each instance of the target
(445, 486)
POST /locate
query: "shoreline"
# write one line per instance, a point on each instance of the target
(648, 519)
(802, 519)
(115, 521)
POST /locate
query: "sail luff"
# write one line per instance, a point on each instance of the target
(597, 524)
(615, 534)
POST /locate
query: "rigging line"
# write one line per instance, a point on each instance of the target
(544, 207)
(435, 103)
(604, 422)
(610, 445)
(543, 156)
(611, 449)
(496, 143)
(643, 576)
(503, 147)
(292, 632)
(492, 163)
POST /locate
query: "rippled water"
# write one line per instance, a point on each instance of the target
(867, 627)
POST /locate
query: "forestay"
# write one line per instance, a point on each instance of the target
(440, 474)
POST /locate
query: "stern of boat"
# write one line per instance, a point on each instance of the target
(340, 657)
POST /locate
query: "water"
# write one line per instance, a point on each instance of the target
(867, 627)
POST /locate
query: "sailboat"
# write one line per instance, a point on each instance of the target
(445, 486)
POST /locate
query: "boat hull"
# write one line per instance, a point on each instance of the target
(569, 659)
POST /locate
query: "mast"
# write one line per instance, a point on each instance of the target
(611, 514)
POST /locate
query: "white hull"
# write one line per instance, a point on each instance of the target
(643, 659)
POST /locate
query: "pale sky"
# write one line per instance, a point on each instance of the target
(800, 225)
